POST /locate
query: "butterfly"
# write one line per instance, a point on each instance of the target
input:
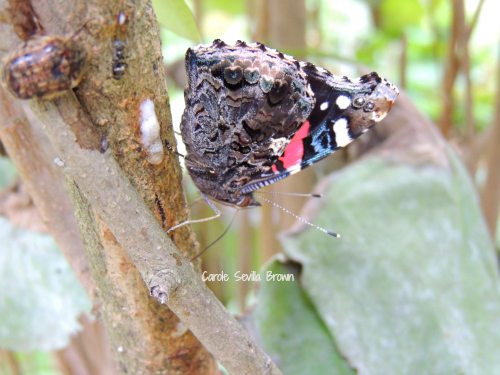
(255, 116)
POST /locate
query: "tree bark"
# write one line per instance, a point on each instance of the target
(116, 192)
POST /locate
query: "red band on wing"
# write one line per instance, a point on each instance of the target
(294, 152)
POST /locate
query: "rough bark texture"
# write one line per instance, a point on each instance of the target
(169, 277)
(34, 157)
(146, 343)
(97, 138)
(30, 150)
(113, 108)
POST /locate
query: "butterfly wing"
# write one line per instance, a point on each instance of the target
(344, 109)
(243, 105)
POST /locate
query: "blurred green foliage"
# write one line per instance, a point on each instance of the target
(344, 36)
(298, 320)
(291, 329)
(350, 293)
(174, 15)
(33, 363)
(409, 14)
(412, 287)
(7, 172)
(41, 299)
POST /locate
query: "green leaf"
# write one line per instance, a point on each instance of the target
(7, 172)
(176, 17)
(233, 8)
(290, 328)
(412, 286)
(41, 299)
(397, 16)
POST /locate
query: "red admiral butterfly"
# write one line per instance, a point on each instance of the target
(255, 116)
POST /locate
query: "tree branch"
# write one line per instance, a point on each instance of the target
(170, 278)
(115, 209)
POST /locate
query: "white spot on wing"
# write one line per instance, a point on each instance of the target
(150, 132)
(324, 106)
(342, 137)
(343, 102)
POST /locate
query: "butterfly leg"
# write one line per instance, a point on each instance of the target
(210, 204)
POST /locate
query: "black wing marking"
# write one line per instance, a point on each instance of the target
(344, 109)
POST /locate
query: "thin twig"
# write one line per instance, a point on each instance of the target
(465, 67)
(451, 70)
(473, 21)
(458, 59)
(403, 60)
(490, 193)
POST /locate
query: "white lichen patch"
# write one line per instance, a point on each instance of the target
(150, 132)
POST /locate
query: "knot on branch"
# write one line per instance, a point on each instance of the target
(162, 284)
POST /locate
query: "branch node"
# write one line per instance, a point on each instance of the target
(162, 284)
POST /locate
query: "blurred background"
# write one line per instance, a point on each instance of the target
(443, 54)
(417, 199)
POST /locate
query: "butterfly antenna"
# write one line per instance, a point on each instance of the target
(305, 195)
(301, 219)
(217, 239)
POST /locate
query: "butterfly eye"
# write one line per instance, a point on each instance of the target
(369, 107)
(358, 102)
(244, 201)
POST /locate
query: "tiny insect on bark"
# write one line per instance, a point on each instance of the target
(44, 67)
(119, 44)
